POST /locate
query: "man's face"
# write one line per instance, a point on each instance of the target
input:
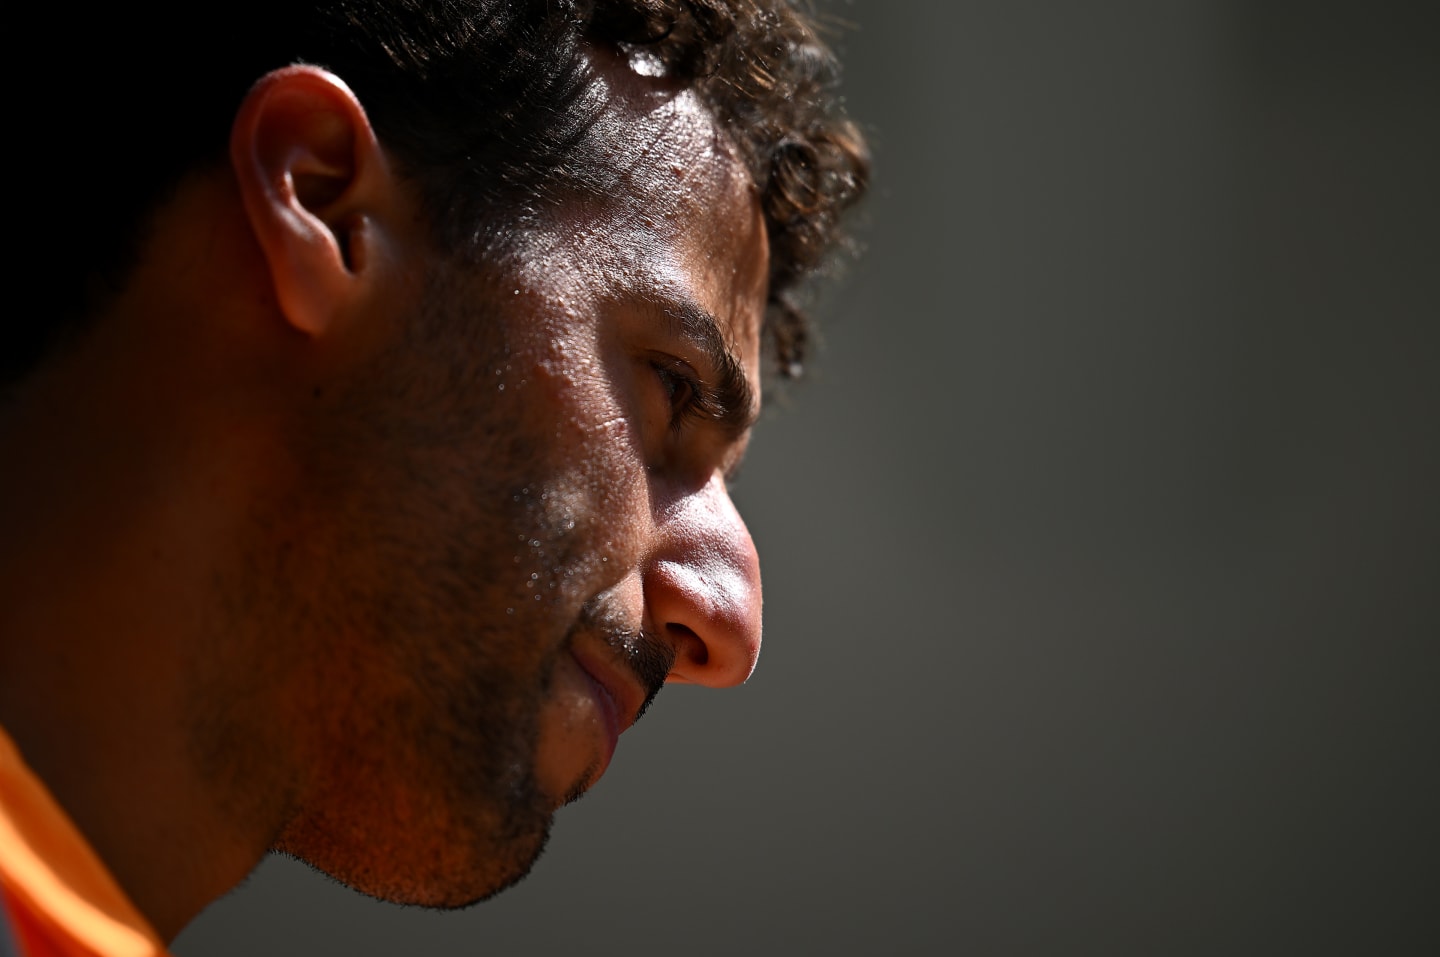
(525, 526)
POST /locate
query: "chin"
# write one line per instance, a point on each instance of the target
(447, 873)
(455, 891)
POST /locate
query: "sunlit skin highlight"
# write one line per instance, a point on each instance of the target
(396, 541)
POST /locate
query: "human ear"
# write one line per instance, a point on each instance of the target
(310, 172)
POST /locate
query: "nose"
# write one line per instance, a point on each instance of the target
(702, 588)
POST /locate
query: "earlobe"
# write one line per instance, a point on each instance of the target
(308, 166)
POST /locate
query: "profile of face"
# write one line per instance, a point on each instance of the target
(524, 523)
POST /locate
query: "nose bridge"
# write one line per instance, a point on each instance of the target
(702, 587)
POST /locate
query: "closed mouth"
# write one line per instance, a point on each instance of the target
(616, 693)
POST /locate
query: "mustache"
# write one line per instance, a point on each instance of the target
(648, 656)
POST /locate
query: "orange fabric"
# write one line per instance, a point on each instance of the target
(58, 896)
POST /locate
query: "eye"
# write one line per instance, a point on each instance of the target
(683, 391)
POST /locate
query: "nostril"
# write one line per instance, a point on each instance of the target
(692, 655)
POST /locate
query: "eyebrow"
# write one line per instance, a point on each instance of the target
(731, 395)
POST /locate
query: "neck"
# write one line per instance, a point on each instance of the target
(118, 677)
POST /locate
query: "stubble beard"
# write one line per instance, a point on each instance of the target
(412, 673)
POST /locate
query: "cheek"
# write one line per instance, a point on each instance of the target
(578, 409)
(610, 475)
(595, 497)
(589, 409)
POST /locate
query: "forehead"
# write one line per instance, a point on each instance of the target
(671, 214)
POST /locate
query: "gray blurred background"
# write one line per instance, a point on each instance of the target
(1101, 548)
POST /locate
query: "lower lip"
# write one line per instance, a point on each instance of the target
(608, 711)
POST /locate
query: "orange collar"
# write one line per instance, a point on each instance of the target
(60, 896)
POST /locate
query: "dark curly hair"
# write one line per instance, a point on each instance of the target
(478, 99)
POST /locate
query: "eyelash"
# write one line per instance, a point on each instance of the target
(687, 395)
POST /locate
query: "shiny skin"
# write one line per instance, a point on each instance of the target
(518, 491)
